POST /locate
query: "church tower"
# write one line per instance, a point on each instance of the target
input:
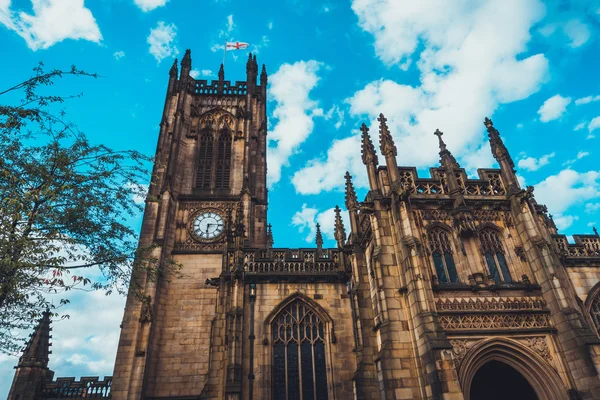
(207, 200)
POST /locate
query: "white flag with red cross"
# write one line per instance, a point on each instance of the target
(236, 46)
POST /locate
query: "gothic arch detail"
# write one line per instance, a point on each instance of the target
(592, 306)
(440, 247)
(541, 376)
(215, 128)
(494, 254)
(298, 345)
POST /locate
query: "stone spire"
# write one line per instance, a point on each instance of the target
(37, 351)
(369, 157)
(319, 238)
(351, 201)
(388, 148)
(270, 240)
(174, 70)
(186, 64)
(222, 73)
(447, 160)
(339, 232)
(263, 76)
(500, 153)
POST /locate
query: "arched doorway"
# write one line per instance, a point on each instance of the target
(496, 380)
(500, 363)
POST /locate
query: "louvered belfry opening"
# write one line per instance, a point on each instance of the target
(205, 159)
(493, 252)
(223, 160)
(299, 354)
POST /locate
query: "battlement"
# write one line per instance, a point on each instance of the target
(89, 387)
(489, 182)
(202, 87)
(585, 246)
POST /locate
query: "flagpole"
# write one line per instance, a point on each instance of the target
(224, 53)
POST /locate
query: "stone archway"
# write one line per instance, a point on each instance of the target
(510, 358)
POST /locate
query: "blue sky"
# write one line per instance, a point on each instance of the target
(530, 66)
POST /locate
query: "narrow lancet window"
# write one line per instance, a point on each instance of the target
(441, 253)
(299, 370)
(493, 252)
(223, 160)
(595, 312)
(205, 157)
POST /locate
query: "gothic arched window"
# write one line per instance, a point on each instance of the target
(493, 252)
(595, 312)
(205, 157)
(441, 253)
(223, 160)
(299, 354)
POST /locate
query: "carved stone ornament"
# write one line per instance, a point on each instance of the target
(460, 348)
(539, 345)
(520, 252)
(146, 313)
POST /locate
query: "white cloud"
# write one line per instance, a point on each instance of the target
(52, 22)
(294, 111)
(577, 32)
(196, 73)
(566, 189)
(118, 54)
(553, 108)
(533, 164)
(270, 25)
(594, 124)
(592, 207)
(149, 5)
(264, 42)
(468, 65)
(162, 41)
(579, 156)
(580, 126)
(587, 100)
(307, 218)
(475, 158)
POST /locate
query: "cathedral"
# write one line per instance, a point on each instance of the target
(441, 287)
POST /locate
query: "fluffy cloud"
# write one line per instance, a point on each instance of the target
(468, 64)
(195, 73)
(294, 111)
(565, 189)
(162, 41)
(594, 124)
(579, 156)
(52, 22)
(553, 108)
(149, 5)
(587, 100)
(533, 164)
(307, 218)
(580, 126)
(575, 30)
(118, 55)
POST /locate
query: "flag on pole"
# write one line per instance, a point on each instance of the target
(236, 46)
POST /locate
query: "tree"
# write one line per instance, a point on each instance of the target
(64, 209)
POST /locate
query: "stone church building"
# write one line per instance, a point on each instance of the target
(442, 287)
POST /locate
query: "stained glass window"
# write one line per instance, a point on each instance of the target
(491, 246)
(299, 369)
(441, 253)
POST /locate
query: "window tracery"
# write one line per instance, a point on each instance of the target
(299, 354)
(441, 253)
(493, 252)
(595, 311)
(205, 158)
(223, 160)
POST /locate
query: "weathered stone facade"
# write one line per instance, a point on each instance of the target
(439, 280)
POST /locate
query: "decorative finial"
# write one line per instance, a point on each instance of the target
(263, 75)
(186, 61)
(340, 231)
(37, 350)
(351, 201)
(499, 150)
(270, 235)
(386, 142)
(222, 73)
(447, 160)
(368, 150)
(173, 71)
(319, 237)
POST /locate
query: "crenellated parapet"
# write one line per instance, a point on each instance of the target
(202, 87)
(585, 249)
(70, 388)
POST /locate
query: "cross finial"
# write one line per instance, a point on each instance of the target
(488, 122)
(364, 129)
(319, 237)
(382, 119)
(438, 133)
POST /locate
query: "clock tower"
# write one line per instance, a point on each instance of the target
(207, 201)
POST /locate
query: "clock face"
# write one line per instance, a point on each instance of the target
(208, 225)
